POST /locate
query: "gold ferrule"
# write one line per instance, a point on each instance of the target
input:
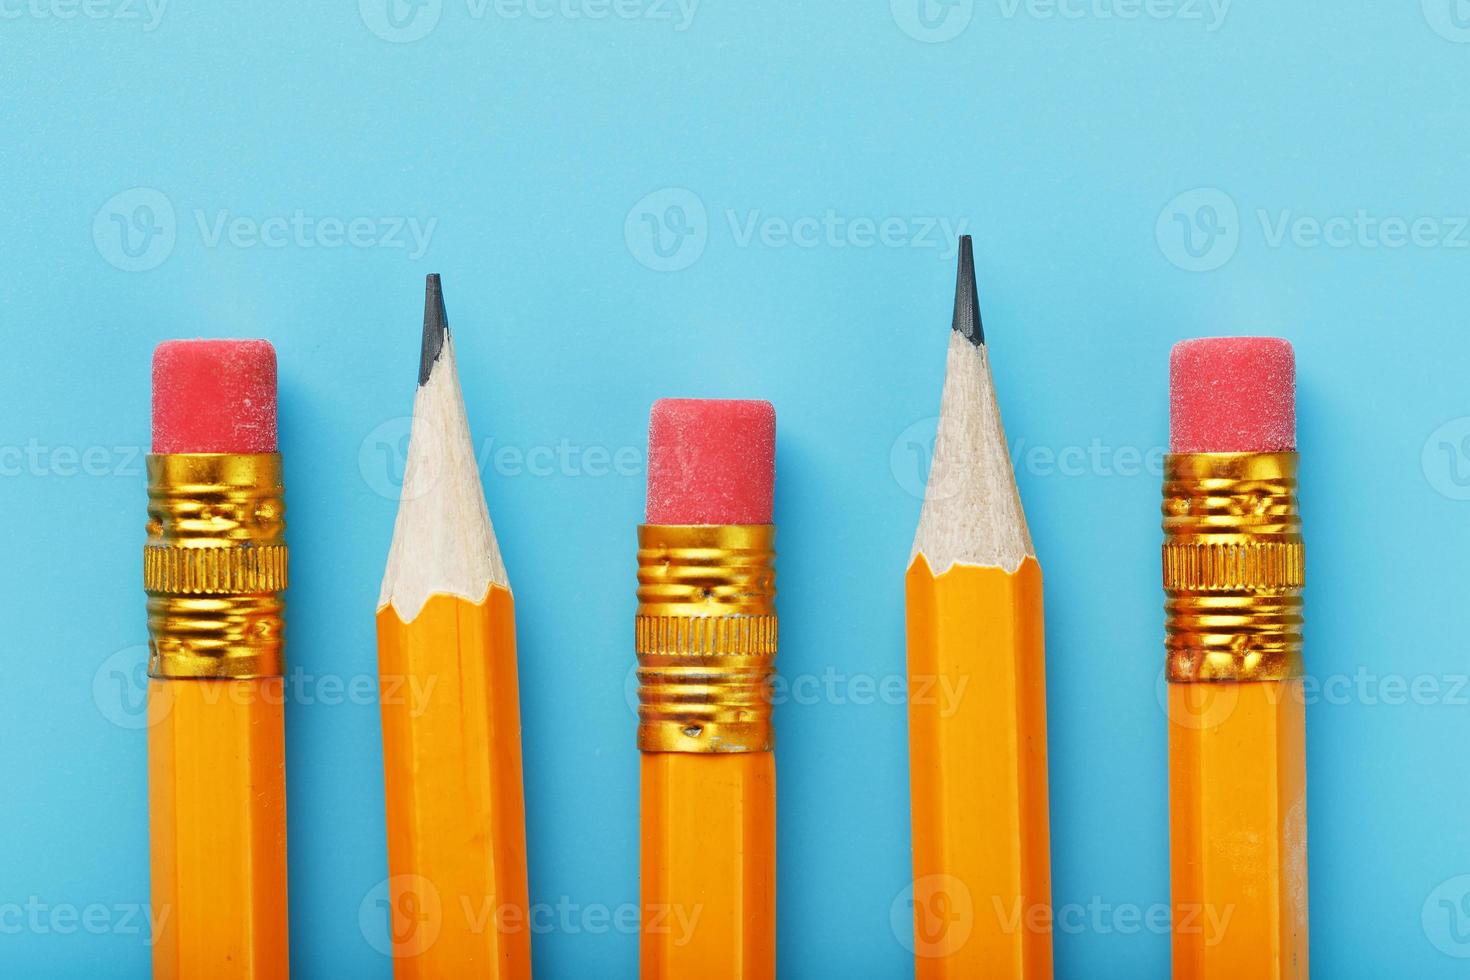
(1234, 567)
(705, 635)
(214, 566)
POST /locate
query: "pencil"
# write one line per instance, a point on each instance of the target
(706, 642)
(977, 690)
(1233, 576)
(214, 569)
(451, 752)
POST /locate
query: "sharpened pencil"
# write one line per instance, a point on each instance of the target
(450, 705)
(977, 755)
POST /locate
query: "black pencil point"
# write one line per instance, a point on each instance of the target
(967, 298)
(436, 327)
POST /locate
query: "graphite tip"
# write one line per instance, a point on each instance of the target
(436, 327)
(967, 298)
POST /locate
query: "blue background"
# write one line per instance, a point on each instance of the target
(1079, 150)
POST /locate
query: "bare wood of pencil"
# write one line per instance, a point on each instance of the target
(972, 508)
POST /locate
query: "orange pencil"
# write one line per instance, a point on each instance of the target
(706, 642)
(1234, 568)
(214, 568)
(450, 706)
(977, 691)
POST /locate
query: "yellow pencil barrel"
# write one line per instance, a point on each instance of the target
(457, 890)
(978, 775)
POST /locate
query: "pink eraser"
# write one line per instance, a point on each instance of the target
(214, 396)
(711, 461)
(1232, 395)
